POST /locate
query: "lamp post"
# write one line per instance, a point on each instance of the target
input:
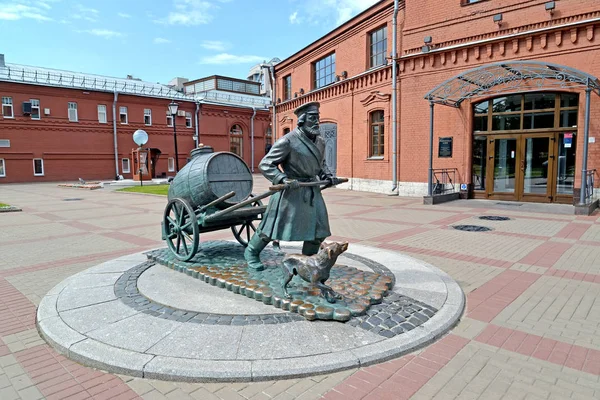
(173, 110)
(140, 137)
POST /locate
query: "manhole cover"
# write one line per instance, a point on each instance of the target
(472, 228)
(494, 218)
(73, 199)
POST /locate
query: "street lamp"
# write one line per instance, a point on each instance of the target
(140, 137)
(173, 110)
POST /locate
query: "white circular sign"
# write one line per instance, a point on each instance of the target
(140, 137)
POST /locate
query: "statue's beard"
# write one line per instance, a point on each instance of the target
(312, 132)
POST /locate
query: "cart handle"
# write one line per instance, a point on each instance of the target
(244, 203)
(305, 184)
(217, 201)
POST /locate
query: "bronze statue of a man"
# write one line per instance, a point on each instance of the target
(296, 213)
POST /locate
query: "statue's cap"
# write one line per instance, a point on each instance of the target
(312, 107)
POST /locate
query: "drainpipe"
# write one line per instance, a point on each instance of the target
(197, 138)
(252, 138)
(394, 100)
(114, 116)
(586, 138)
(273, 99)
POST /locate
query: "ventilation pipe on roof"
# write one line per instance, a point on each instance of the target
(2, 64)
(114, 116)
(394, 100)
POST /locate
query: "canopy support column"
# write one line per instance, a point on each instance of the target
(586, 135)
(430, 171)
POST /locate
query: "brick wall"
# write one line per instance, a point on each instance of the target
(86, 148)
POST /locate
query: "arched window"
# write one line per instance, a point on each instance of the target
(376, 129)
(286, 131)
(236, 139)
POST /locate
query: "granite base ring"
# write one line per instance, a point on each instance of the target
(91, 319)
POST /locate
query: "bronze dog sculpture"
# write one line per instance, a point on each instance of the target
(314, 269)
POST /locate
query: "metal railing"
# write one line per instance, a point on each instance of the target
(444, 180)
(589, 187)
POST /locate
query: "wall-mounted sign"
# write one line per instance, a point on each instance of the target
(568, 140)
(445, 147)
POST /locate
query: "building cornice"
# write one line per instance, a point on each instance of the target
(362, 81)
(525, 30)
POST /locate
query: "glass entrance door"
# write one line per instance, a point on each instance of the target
(504, 171)
(537, 168)
(522, 167)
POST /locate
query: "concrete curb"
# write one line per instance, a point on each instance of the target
(9, 209)
(124, 353)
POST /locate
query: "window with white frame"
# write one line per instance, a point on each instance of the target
(73, 111)
(102, 113)
(169, 120)
(171, 164)
(188, 119)
(38, 167)
(125, 165)
(35, 108)
(7, 107)
(123, 115)
(2, 168)
(147, 116)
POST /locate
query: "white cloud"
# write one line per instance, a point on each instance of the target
(294, 18)
(225, 58)
(86, 13)
(215, 45)
(123, 15)
(190, 13)
(16, 10)
(105, 33)
(331, 12)
(160, 40)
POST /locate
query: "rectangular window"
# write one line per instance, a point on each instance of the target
(38, 167)
(102, 113)
(125, 165)
(378, 47)
(73, 112)
(7, 107)
(123, 115)
(324, 71)
(171, 164)
(35, 108)
(287, 87)
(188, 119)
(147, 116)
(2, 168)
(169, 120)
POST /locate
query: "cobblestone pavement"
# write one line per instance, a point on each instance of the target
(530, 330)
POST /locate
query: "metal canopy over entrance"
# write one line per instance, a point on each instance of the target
(511, 77)
(505, 77)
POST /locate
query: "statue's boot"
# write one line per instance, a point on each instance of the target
(252, 253)
(311, 247)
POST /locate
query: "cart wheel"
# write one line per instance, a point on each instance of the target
(181, 229)
(243, 233)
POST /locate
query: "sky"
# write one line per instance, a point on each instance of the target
(157, 40)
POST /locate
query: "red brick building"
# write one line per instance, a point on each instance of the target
(506, 128)
(59, 125)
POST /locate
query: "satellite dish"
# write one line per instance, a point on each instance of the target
(140, 137)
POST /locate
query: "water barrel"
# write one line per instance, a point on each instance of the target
(209, 175)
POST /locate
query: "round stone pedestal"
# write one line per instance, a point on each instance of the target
(134, 316)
